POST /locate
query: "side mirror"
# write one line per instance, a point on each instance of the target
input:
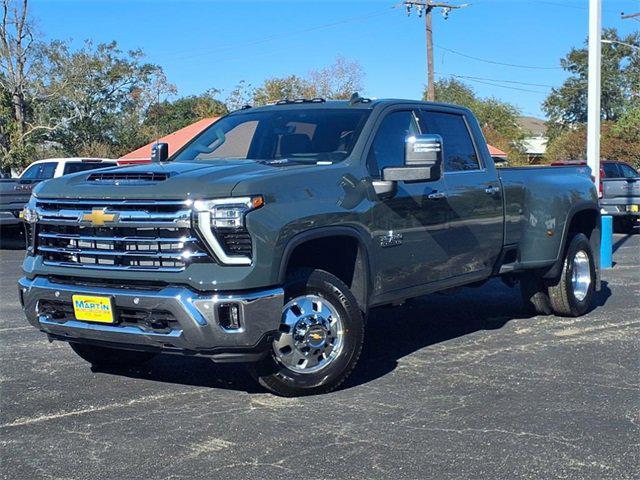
(159, 152)
(422, 160)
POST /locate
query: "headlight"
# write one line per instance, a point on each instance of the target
(228, 212)
(223, 214)
(29, 213)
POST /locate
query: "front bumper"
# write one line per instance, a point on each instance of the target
(195, 327)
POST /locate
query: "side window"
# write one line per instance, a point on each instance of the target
(387, 149)
(75, 167)
(40, 171)
(459, 151)
(610, 170)
(627, 171)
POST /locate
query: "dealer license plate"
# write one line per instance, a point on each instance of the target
(90, 308)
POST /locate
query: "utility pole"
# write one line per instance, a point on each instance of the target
(593, 90)
(426, 7)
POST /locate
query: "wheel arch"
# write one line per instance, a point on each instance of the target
(583, 217)
(301, 246)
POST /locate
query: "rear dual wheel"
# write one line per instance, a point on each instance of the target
(569, 295)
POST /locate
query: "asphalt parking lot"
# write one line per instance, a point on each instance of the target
(448, 386)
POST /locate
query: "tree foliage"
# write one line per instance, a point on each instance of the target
(618, 141)
(497, 119)
(102, 91)
(337, 81)
(566, 106)
(99, 100)
(169, 116)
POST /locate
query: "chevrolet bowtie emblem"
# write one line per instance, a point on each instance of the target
(315, 336)
(99, 217)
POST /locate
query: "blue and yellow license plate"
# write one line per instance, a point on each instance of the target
(90, 308)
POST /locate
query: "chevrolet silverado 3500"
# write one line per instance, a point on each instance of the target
(270, 236)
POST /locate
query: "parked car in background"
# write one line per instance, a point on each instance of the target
(620, 187)
(269, 237)
(15, 192)
(619, 192)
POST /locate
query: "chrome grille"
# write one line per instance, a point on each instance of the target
(137, 235)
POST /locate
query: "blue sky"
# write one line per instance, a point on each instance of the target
(210, 43)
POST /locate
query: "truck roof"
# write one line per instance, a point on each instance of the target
(364, 103)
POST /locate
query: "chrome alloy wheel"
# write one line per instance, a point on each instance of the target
(311, 334)
(581, 277)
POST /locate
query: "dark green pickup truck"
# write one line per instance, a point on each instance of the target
(270, 237)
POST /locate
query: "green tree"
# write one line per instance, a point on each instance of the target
(98, 88)
(274, 89)
(566, 106)
(618, 141)
(497, 119)
(169, 116)
(336, 81)
(23, 92)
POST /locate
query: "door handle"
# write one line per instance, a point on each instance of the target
(437, 196)
(492, 190)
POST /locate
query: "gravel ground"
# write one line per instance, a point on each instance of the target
(448, 386)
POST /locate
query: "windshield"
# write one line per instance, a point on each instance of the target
(309, 135)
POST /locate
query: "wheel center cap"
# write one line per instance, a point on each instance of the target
(315, 337)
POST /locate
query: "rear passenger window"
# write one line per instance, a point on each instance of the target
(459, 151)
(627, 171)
(610, 170)
(387, 149)
(75, 167)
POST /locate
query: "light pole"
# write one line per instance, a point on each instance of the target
(593, 95)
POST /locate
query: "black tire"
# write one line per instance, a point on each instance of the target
(562, 293)
(625, 225)
(104, 357)
(277, 378)
(535, 296)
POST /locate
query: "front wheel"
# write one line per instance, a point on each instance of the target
(320, 337)
(104, 357)
(573, 292)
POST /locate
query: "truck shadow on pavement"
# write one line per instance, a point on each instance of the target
(12, 239)
(392, 333)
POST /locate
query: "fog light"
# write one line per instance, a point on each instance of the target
(229, 316)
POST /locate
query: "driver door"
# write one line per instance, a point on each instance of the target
(409, 229)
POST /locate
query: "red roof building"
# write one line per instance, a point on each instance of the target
(496, 152)
(176, 141)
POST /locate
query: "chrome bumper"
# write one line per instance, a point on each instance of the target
(197, 328)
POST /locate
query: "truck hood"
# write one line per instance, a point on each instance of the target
(170, 180)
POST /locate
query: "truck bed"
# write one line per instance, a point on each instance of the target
(533, 200)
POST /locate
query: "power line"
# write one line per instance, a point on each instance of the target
(493, 62)
(566, 5)
(515, 82)
(272, 38)
(501, 86)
